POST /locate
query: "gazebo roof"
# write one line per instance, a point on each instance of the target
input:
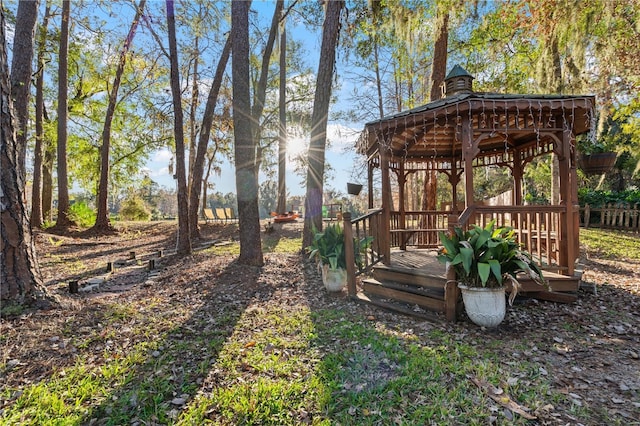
(503, 121)
(457, 71)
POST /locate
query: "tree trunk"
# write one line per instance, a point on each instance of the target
(245, 146)
(551, 82)
(376, 66)
(26, 19)
(376, 8)
(63, 220)
(260, 92)
(319, 117)
(183, 245)
(47, 180)
(102, 216)
(281, 206)
(193, 129)
(438, 72)
(36, 189)
(205, 180)
(203, 141)
(20, 279)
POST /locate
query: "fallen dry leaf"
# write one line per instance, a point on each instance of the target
(501, 398)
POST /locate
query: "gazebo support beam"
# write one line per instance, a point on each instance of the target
(387, 205)
(517, 172)
(469, 152)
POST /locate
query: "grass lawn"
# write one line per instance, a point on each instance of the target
(212, 342)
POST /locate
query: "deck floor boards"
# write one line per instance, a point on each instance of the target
(424, 259)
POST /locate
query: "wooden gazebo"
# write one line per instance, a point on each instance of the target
(458, 133)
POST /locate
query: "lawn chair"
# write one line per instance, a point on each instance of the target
(230, 215)
(208, 216)
(220, 214)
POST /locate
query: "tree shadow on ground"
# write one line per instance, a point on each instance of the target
(93, 248)
(171, 365)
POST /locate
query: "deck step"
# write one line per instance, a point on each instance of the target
(430, 300)
(397, 307)
(554, 296)
(433, 292)
(558, 283)
(419, 277)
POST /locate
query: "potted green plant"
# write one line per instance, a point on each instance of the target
(328, 249)
(596, 157)
(484, 259)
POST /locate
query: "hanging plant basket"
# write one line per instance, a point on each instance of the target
(598, 163)
(354, 188)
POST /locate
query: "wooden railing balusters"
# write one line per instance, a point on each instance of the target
(614, 216)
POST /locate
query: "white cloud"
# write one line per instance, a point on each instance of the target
(163, 155)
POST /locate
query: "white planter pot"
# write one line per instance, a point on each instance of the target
(334, 279)
(486, 307)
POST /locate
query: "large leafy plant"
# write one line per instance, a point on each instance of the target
(328, 247)
(486, 257)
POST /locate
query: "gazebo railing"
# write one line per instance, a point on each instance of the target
(536, 227)
(367, 225)
(417, 228)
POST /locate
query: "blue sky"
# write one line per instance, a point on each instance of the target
(341, 158)
(342, 135)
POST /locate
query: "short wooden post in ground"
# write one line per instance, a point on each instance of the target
(73, 286)
(110, 267)
(152, 264)
(132, 255)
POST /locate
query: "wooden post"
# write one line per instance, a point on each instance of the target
(349, 253)
(451, 290)
(402, 181)
(159, 253)
(567, 255)
(132, 255)
(587, 215)
(73, 287)
(451, 296)
(385, 234)
(370, 185)
(628, 216)
(454, 179)
(374, 230)
(110, 267)
(152, 264)
(469, 152)
(452, 222)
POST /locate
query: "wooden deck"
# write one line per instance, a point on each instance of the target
(416, 278)
(424, 261)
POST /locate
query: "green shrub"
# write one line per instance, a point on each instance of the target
(134, 209)
(11, 310)
(48, 224)
(82, 214)
(600, 198)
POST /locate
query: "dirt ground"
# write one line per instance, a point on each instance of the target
(590, 349)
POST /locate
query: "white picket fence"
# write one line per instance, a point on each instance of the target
(614, 216)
